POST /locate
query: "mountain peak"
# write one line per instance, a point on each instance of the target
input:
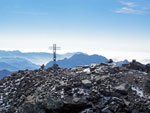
(79, 59)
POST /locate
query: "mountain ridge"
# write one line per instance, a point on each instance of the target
(4, 73)
(79, 59)
(15, 64)
(37, 58)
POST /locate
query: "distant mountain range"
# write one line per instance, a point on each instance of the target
(4, 73)
(15, 60)
(120, 63)
(79, 59)
(37, 58)
(83, 59)
(12, 61)
(15, 64)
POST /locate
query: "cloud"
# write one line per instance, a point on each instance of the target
(31, 13)
(132, 8)
(129, 4)
(128, 10)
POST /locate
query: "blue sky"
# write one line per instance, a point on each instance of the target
(118, 29)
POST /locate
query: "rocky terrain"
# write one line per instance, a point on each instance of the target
(98, 88)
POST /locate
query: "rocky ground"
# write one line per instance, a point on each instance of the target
(101, 88)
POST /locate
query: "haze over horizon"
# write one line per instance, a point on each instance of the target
(118, 29)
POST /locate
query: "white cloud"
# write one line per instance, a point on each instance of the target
(129, 11)
(132, 8)
(129, 4)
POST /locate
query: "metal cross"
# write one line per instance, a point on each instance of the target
(54, 48)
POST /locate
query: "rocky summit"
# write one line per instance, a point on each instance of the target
(98, 88)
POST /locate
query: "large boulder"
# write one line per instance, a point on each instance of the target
(87, 83)
(123, 88)
(136, 66)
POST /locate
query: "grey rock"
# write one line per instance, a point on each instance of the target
(123, 88)
(87, 83)
(99, 88)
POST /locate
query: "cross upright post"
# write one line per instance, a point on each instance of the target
(54, 53)
(54, 48)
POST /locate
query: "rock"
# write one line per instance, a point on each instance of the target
(87, 71)
(76, 99)
(101, 78)
(126, 102)
(123, 88)
(98, 88)
(148, 68)
(30, 98)
(110, 61)
(42, 67)
(62, 83)
(136, 66)
(28, 108)
(87, 83)
(147, 86)
(135, 111)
